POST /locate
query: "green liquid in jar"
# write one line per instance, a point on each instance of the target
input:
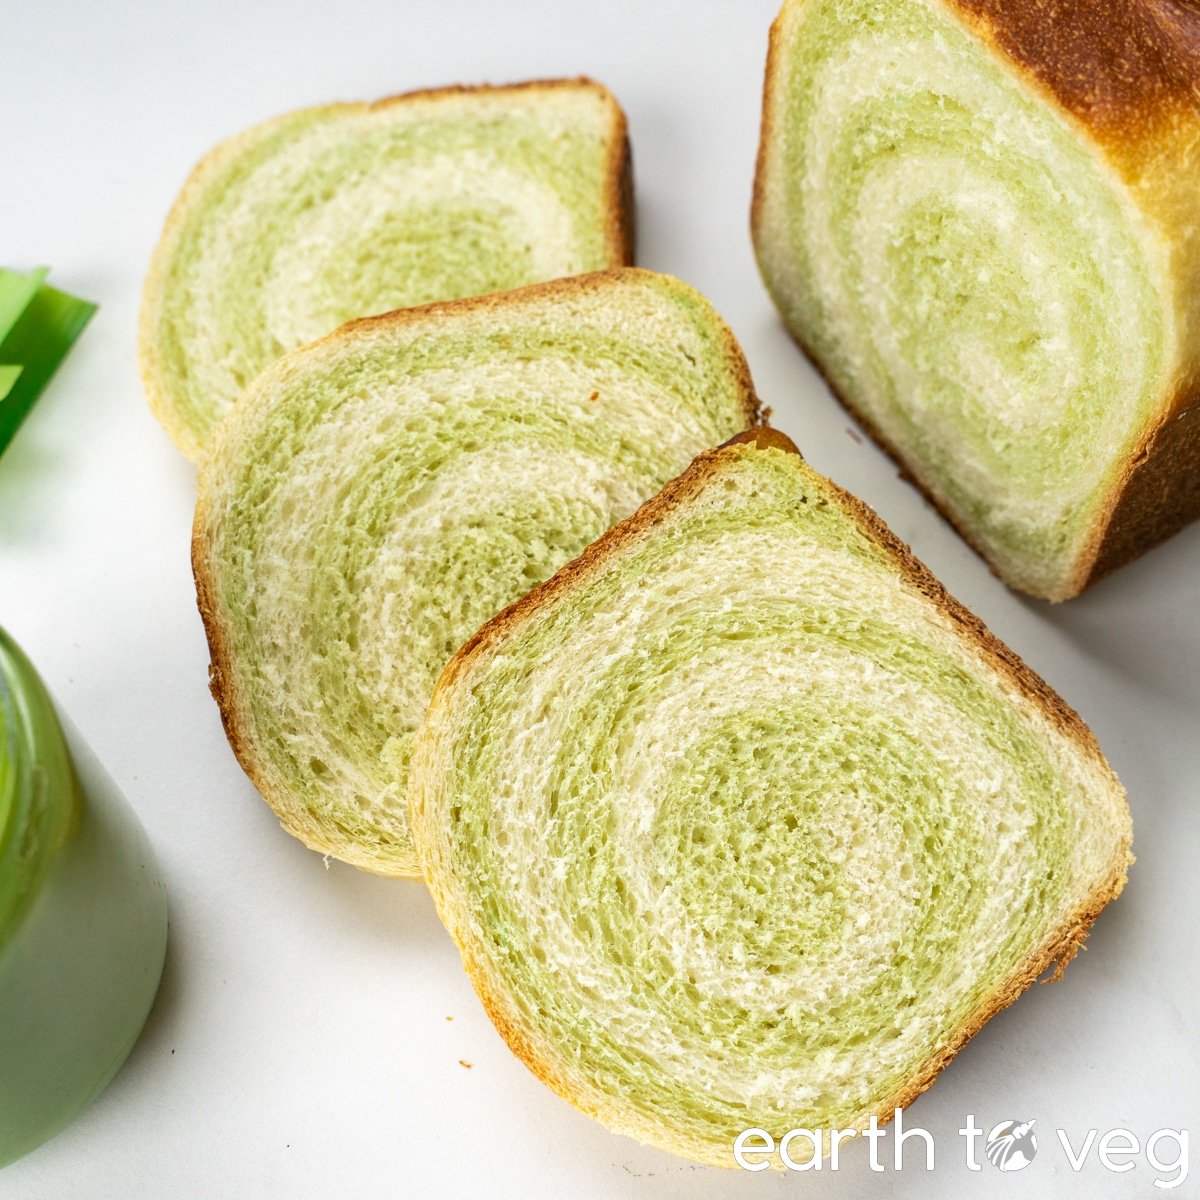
(83, 917)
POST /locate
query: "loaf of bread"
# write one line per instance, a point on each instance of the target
(374, 498)
(306, 221)
(979, 219)
(740, 821)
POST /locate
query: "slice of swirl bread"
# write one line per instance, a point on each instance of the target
(740, 821)
(306, 221)
(978, 218)
(375, 497)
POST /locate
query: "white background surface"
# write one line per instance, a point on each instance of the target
(300, 1046)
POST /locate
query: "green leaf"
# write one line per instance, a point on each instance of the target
(8, 376)
(16, 291)
(38, 325)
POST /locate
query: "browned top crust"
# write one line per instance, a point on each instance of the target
(764, 438)
(1124, 67)
(459, 89)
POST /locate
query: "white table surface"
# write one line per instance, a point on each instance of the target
(300, 1046)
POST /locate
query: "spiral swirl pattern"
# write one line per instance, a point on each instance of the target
(736, 829)
(379, 496)
(970, 276)
(295, 227)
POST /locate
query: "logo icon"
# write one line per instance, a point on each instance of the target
(1011, 1146)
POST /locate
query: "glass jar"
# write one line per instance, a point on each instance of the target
(83, 917)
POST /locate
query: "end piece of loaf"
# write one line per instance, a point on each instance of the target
(286, 231)
(740, 821)
(978, 219)
(375, 497)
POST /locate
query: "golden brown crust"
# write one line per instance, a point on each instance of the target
(764, 437)
(220, 683)
(1159, 494)
(1057, 949)
(767, 130)
(477, 89)
(618, 217)
(622, 212)
(1127, 69)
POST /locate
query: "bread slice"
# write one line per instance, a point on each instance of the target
(299, 224)
(978, 219)
(740, 821)
(375, 497)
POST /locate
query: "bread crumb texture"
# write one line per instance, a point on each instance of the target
(978, 220)
(376, 497)
(740, 821)
(286, 231)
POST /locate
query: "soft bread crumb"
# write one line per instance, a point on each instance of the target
(741, 821)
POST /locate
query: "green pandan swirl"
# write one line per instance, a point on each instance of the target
(966, 271)
(741, 827)
(293, 228)
(382, 494)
